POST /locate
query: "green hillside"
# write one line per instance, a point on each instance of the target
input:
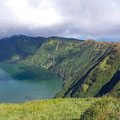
(88, 68)
(63, 109)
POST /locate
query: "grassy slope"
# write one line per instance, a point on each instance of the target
(78, 62)
(87, 67)
(62, 109)
(57, 109)
(102, 79)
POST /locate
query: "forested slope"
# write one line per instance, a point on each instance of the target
(88, 68)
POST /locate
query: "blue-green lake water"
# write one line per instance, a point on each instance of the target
(20, 83)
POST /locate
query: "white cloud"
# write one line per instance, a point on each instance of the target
(86, 18)
(26, 14)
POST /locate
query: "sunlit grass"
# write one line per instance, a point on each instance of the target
(60, 109)
(56, 109)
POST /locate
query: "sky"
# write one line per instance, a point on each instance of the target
(83, 19)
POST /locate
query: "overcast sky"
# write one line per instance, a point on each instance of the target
(69, 18)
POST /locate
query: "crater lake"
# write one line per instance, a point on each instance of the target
(19, 83)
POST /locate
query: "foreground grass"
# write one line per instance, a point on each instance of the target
(55, 109)
(103, 109)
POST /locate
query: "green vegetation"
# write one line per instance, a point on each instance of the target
(62, 109)
(89, 68)
(103, 109)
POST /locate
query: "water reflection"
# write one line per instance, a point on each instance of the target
(21, 83)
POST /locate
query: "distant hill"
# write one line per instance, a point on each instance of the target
(89, 68)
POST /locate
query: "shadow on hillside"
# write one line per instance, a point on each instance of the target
(110, 85)
(80, 81)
